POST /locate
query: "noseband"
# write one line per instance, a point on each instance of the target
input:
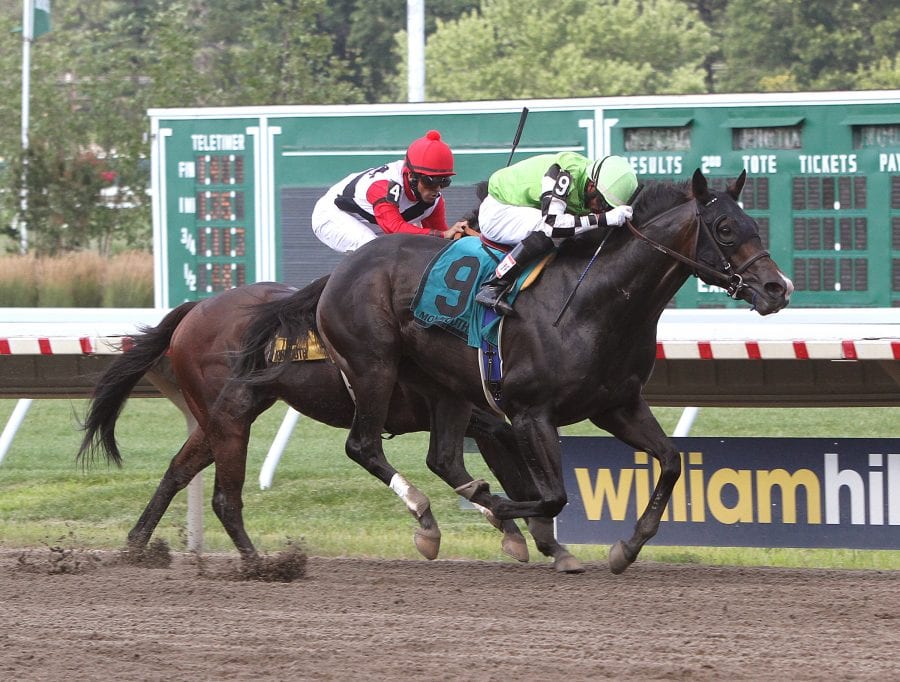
(726, 277)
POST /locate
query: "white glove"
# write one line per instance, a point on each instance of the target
(618, 215)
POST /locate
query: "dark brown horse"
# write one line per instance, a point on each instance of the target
(193, 346)
(590, 362)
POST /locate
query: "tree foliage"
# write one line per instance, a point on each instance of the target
(774, 45)
(104, 64)
(527, 48)
(365, 33)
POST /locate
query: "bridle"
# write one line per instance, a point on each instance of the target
(726, 276)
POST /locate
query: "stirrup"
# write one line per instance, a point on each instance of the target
(489, 297)
(503, 308)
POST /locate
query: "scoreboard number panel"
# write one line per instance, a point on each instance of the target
(211, 229)
(823, 184)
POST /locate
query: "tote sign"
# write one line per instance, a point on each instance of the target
(739, 492)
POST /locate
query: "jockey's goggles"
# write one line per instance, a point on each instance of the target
(434, 180)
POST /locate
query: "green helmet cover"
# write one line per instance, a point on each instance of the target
(615, 179)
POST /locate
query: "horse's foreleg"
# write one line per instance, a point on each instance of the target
(513, 543)
(192, 458)
(495, 441)
(538, 452)
(541, 530)
(449, 421)
(637, 427)
(449, 418)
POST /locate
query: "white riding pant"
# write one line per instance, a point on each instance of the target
(339, 230)
(505, 224)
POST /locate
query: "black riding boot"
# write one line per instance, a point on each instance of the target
(524, 253)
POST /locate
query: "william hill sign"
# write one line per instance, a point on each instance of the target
(739, 492)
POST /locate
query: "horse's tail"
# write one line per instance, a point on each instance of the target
(291, 317)
(115, 385)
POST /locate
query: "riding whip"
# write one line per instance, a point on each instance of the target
(591, 262)
(518, 134)
(578, 283)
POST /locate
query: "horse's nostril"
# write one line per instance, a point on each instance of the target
(775, 289)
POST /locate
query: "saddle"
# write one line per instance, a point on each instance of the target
(467, 263)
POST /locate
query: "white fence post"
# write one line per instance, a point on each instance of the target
(12, 426)
(267, 472)
(195, 514)
(686, 421)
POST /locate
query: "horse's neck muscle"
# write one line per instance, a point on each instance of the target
(634, 282)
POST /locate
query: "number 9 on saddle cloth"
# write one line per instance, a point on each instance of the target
(446, 299)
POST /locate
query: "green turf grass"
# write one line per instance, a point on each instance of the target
(323, 499)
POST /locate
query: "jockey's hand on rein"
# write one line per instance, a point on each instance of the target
(619, 215)
(456, 231)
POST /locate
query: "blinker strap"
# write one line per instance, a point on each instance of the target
(725, 280)
(723, 261)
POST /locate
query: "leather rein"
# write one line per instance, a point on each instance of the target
(728, 278)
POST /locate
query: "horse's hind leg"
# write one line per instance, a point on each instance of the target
(192, 458)
(373, 383)
(368, 353)
(228, 444)
(368, 452)
(637, 427)
(498, 447)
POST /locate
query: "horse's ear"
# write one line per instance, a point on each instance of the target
(700, 186)
(735, 188)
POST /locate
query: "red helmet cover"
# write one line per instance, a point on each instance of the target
(429, 155)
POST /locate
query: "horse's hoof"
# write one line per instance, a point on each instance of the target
(428, 542)
(472, 488)
(514, 545)
(567, 563)
(618, 560)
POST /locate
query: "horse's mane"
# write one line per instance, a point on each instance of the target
(657, 197)
(654, 198)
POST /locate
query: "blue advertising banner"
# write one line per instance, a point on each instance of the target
(739, 492)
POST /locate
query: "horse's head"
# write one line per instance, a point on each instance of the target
(728, 243)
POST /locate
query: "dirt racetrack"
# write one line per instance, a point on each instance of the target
(353, 619)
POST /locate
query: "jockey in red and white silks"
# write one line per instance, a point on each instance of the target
(401, 196)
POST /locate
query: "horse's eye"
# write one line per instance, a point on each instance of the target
(724, 234)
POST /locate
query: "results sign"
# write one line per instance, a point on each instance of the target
(739, 492)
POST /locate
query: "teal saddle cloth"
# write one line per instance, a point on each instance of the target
(446, 295)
